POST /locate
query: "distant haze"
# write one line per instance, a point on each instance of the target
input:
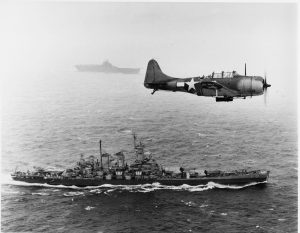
(187, 39)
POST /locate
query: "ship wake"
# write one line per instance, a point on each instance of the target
(144, 188)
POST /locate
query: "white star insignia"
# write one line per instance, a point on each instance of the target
(191, 84)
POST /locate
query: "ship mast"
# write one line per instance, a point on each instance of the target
(134, 140)
(100, 154)
(139, 149)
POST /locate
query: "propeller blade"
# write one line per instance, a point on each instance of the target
(265, 84)
(265, 96)
(265, 88)
(266, 81)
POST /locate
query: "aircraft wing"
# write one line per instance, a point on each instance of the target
(213, 85)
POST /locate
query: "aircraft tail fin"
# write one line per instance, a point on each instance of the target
(154, 75)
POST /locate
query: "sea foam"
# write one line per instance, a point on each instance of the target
(144, 188)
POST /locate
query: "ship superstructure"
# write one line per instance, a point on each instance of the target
(106, 67)
(94, 171)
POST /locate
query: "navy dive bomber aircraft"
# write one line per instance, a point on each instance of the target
(223, 86)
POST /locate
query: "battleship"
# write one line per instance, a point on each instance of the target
(144, 170)
(106, 67)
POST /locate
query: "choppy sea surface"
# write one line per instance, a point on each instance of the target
(49, 119)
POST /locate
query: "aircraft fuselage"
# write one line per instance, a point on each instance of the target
(236, 87)
(223, 88)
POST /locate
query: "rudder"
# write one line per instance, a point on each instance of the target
(154, 75)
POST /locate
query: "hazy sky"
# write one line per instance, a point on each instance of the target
(186, 38)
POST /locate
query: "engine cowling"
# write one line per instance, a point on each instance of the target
(250, 86)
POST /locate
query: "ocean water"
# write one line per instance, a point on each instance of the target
(49, 119)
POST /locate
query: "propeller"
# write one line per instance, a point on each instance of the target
(265, 88)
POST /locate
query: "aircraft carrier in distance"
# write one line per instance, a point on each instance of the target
(145, 170)
(106, 67)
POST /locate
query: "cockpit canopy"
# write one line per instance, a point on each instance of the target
(225, 74)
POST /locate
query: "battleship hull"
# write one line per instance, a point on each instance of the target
(84, 182)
